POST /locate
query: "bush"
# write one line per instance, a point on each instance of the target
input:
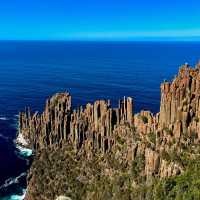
(152, 137)
(165, 156)
(144, 119)
(168, 131)
(183, 187)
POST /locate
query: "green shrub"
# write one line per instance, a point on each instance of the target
(120, 140)
(165, 156)
(168, 131)
(144, 119)
(152, 137)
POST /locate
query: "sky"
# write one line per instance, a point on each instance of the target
(99, 19)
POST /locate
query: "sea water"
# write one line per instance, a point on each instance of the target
(31, 71)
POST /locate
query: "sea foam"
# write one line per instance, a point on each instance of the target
(21, 140)
(12, 181)
(21, 145)
(15, 196)
(24, 151)
(18, 197)
(3, 118)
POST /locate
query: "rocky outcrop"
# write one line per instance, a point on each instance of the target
(91, 127)
(98, 128)
(179, 106)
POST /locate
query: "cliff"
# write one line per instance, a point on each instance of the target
(91, 127)
(144, 146)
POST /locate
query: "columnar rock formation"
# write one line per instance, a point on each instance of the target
(99, 127)
(180, 106)
(90, 127)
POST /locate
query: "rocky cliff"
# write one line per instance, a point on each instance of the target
(145, 145)
(91, 127)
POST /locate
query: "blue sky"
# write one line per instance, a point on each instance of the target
(99, 19)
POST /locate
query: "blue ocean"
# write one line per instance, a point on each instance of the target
(31, 71)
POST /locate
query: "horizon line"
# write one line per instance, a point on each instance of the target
(157, 39)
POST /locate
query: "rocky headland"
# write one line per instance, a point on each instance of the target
(98, 152)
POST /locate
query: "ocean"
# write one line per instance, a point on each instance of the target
(31, 71)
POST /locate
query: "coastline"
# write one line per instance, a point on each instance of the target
(22, 145)
(15, 196)
(13, 187)
(25, 95)
(149, 144)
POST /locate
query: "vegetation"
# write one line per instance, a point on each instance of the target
(144, 119)
(152, 137)
(183, 187)
(68, 173)
(168, 131)
(120, 140)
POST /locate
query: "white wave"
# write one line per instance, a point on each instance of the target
(24, 151)
(3, 118)
(18, 197)
(21, 145)
(12, 180)
(15, 196)
(21, 140)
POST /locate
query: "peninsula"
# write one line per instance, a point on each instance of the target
(97, 152)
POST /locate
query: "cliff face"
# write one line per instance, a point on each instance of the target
(91, 127)
(180, 108)
(148, 145)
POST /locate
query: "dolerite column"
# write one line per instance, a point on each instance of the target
(96, 113)
(165, 105)
(130, 110)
